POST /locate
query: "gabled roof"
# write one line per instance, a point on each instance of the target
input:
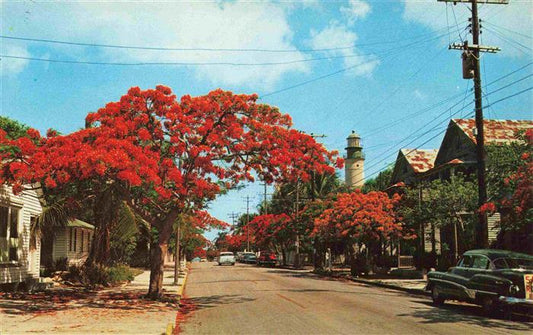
(80, 224)
(496, 131)
(420, 160)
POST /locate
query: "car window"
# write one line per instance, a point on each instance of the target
(519, 263)
(480, 262)
(500, 263)
(466, 262)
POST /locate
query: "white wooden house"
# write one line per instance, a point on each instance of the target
(19, 261)
(72, 242)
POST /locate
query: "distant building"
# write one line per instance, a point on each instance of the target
(411, 164)
(457, 153)
(354, 162)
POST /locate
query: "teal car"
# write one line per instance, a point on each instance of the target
(486, 277)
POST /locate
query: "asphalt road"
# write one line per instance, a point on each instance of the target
(244, 299)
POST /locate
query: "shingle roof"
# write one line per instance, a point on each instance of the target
(420, 160)
(496, 131)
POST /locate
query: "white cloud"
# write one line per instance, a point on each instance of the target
(335, 35)
(357, 9)
(13, 66)
(228, 25)
(511, 21)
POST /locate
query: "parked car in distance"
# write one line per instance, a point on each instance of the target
(490, 278)
(226, 257)
(196, 259)
(249, 258)
(267, 258)
(239, 256)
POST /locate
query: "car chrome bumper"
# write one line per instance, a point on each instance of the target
(515, 301)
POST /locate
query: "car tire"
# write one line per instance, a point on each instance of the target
(488, 305)
(437, 298)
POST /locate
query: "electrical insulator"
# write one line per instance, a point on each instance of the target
(468, 65)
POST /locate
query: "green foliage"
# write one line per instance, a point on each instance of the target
(379, 183)
(13, 128)
(502, 161)
(97, 274)
(443, 203)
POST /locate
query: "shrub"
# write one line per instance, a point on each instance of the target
(94, 274)
(119, 273)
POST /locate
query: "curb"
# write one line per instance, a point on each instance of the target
(392, 287)
(379, 284)
(171, 326)
(182, 287)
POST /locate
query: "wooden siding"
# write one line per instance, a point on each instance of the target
(29, 260)
(493, 223)
(62, 245)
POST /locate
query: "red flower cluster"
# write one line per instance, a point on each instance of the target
(360, 216)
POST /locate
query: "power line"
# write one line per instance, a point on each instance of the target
(507, 75)
(182, 63)
(132, 47)
(510, 84)
(335, 72)
(510, 40)
(510, 96)
(507, 29)
(418, 130)
(200, 63)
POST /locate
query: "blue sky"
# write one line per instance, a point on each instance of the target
(384, 64)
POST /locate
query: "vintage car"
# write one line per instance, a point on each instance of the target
(490, 278)
(267, 258)
(226, 258)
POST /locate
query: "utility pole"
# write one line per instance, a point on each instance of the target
(471, 70)
(233, 216)
(297, 205)
(177, 262)
(315, 242)
(265, 198)
(247, 223)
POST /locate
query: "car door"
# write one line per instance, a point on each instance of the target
(480, 266)
(458, 277)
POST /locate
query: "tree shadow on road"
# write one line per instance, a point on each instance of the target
(467, 314)
(217, 300)
(53, 301)
(296, 274)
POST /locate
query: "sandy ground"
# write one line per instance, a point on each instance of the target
(73, 311)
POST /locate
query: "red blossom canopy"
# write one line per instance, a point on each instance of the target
(181, 150)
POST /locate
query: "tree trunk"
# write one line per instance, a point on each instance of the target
(319, 256)
(99, 252)
(158, 250)
(157, 253)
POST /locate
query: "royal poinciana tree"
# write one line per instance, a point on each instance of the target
(359, 218)
(168, 156)
(272, 231)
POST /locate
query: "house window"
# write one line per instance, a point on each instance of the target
(82, 240)
(70, 239)
(75, 239)
(9, 234)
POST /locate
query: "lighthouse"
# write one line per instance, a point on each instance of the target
(354, 162)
